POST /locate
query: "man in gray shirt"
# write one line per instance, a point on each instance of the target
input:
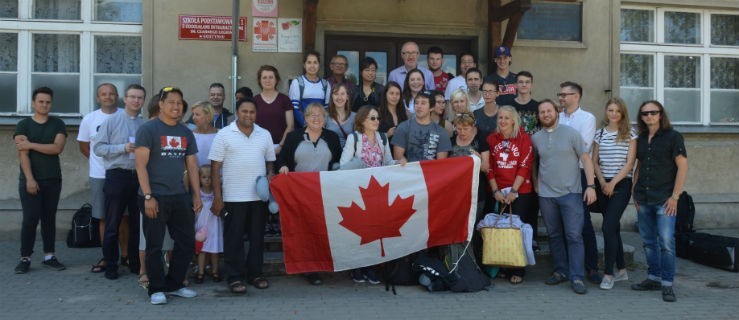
(559, 148)
(419, 138)
(114, 143)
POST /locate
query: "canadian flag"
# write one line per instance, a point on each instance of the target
(339, 220)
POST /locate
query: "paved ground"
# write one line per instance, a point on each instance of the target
(702, 292)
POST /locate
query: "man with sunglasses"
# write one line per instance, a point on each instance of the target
(574, 116)
(419, 138)
(165, 150)
(658, 181)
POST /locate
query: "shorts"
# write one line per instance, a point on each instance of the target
(98, 198)
(168, 243)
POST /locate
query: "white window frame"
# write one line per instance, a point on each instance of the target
(705, 50)
(25, 26)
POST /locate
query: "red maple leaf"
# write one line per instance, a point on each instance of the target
(174, 143)
(379, 220)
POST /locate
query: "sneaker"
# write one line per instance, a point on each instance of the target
(23, 266)
(579, 287)
(54, 264)
(158, 298)
(372, 277)
(621, 276)
(556, 278)
(183, 292)
(357, 276)
(668, 295)
(647, 285)
(595, 277)
(111, 273)
(607, 283)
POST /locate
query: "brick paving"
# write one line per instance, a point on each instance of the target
(75, 293)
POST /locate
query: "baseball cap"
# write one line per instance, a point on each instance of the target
(502, 50)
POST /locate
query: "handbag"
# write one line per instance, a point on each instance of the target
(503, 246)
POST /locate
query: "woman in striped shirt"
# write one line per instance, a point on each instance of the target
(614, 152)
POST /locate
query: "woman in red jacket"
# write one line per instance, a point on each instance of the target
(511, 158)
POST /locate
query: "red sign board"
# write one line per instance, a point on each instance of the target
(216, 28)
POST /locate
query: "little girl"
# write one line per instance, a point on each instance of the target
(213, 244)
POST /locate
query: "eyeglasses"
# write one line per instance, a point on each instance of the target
(370, 70)
(564, 94)
(410, 53)
(488, 92)
(338, 64)
(650, 113)
(373, 118)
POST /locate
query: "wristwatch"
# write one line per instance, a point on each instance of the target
(514, 191)
(591, 186)
(148, 196)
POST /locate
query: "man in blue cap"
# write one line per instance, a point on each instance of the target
(503, 76)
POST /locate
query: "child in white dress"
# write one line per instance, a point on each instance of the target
(209, 226)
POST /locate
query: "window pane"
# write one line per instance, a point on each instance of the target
(725, 90)
(637, 25)
(8, 52)
(121, 82)
(57, 9)
(66, 90)
(56, 53)
(682, 27)
(8, 87)
(682, 87)
(725, 29)
(637, 80)
(552, 21)
(117, 54)
(118, 10)
(8, 8)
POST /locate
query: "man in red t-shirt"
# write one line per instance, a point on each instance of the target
(435, 61)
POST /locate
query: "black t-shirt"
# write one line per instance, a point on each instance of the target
(529, 115)
(43, 166)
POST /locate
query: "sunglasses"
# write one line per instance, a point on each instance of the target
(562, 95)
(648, 113)
(373, 118)
(465, 115)
(166, 90)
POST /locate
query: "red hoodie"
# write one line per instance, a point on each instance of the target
(510, 158)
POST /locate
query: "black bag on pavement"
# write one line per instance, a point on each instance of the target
(84, 232)
(465, 274)
(713, 250)
(433, 274)
(685, 214)
(400, 271)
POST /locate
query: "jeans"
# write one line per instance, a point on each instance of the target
(175, 213)
(613, 209)
(39, 207)
(249, 218)
(657, 231)
(121, 187)
(588, 233)
(564, 219)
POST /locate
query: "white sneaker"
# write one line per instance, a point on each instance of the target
(607, 284)
(158, 298)
(621, 276)
(183, 292)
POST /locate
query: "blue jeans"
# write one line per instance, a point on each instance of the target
(658, 234)
(564, 219)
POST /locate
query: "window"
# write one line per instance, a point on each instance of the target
(688, 59)
(552, 21)
(87, 43)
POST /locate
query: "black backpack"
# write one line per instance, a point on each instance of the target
(400, 271)
(685, 214)
(465, 274)
(85, 232)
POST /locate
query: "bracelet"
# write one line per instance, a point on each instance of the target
(495, 191)
(675, 197)
(591, 186)
(514, 191)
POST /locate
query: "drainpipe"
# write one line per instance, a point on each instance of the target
(234, 52)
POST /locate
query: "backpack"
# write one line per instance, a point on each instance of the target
(356, 141)
(465, 274)
(84, 232)
(433, 272)
(400, 271)
(301, 86)
(685, 214)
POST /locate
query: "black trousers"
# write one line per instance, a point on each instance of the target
(243, 217)
(175, 214)
(613, 207)
(40, 207)
(121, 188)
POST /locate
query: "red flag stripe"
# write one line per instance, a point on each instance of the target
(304, 233)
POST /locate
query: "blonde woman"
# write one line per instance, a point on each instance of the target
(202, 117)
(458, 103)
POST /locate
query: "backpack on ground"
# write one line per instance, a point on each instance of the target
(684, 224)
(432, 272)
(400, 272)
(85, 232)
(465, 274)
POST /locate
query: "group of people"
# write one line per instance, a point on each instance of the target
(161, 185)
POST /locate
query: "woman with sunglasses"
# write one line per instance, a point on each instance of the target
(614, 154)
(366, 147)
(510, 173)
(370, 92)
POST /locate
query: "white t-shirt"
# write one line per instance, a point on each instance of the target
(243, 160)
(88, 130)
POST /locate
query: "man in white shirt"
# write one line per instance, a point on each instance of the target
(474, 95)
(409, 53)
(107, 98)
(245, 152)
(574, 116)
(466, 62)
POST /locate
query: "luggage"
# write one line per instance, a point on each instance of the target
(84, 232)
(714, 250)
(684, 224)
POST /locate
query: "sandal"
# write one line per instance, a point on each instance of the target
(199, 278)
(124, 261)
(144, 281)
(259, 283)
(515, 279)
(216, 277)
(98, 267)
(237, 287)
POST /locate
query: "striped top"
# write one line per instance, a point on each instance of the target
(612, 154)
